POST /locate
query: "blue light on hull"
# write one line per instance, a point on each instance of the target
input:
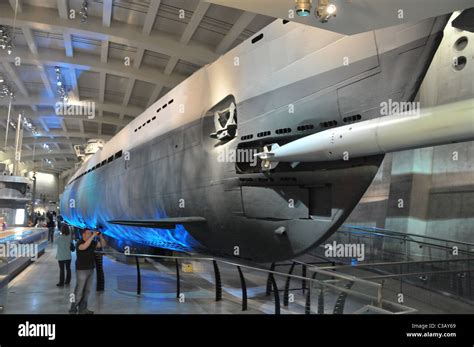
(178, 239)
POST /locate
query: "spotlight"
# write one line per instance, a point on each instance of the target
(62, 92)
(325, 10)
(5, 90)
(6, 39)
(331, 9)
(84, 12)
(303, 8)
(28, 125)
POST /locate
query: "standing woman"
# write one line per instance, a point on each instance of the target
(63, 255)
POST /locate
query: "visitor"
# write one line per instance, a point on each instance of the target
(63, 255)
(50, 224)
(85, 264)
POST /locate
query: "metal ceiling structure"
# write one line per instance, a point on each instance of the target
(123, 57)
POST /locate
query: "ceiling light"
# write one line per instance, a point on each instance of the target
(6, 91)
(62, 92)
(325, 10)
(84, 12)
(6, 39)
(303, 8)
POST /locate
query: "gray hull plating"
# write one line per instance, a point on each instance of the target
(253, 214)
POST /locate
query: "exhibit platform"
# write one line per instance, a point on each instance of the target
(34, 291)
(19, 247)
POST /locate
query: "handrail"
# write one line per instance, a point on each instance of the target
(386, 231)
(396, 263)
(378, 299)
(411, 274)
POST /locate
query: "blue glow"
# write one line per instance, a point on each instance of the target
(177, 239)
(303, 13)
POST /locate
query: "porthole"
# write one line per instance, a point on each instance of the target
(459, 63)
(461, 43)
(257, 38)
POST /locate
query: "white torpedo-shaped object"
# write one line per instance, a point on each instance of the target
(439, 125)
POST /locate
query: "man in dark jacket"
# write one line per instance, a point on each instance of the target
(85, 265)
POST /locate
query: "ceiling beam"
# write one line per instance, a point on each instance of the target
(55, 133)
(57, 169)
(63, 9)
(128, 91)
(138, 58)
(30, 41)
(102, 84)
(74, 84)
(104, 51)
(44, 114)
(154, 96)
(107, 13)
(33, 141)
(243, 22)
(46, 82)
(81, 126)
(46, 19)
(196, 19)
(69, 49)
(38, 153)
(63, 125)
(90, 63)
(128, 94)
(50, 155)
(188, 33)
(12, 74)
(16, 5)
(130, 110)
(43, 124)
(151, 16)
(170, 66)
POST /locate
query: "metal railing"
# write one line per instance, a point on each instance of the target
(434, 263)
(311, 285)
